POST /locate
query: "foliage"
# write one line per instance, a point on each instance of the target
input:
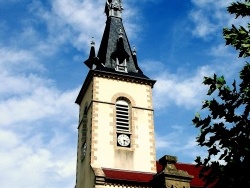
(226, 129)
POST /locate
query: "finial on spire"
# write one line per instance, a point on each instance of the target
(113, 8)
(92, 49)
(92, 42)
(134, 50)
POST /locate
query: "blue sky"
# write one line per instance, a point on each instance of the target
(42, 47)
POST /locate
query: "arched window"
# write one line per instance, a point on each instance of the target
(122, 116)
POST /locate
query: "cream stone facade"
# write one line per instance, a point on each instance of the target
(97, 127)
(104, 132)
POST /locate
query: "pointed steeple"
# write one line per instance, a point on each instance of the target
(135, 60)
(115, 58)
(92, 50)
(92, 62)
(115, 54)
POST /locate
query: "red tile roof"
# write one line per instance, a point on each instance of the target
(159, 167)
(142, 177)
(132, 176)
(192, 170)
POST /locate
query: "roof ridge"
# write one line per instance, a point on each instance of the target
(122, 170)
(186, 163)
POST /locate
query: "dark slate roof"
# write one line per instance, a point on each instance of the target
(109, 44)
(133, 74)
(114, 45)
(92, 57)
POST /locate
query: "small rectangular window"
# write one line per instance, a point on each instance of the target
(122, 67)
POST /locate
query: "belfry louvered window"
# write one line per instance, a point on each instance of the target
(122, 67)
(122, 116)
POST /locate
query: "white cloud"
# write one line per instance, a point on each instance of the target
(18, 60)
(41, 103)
(78, 21)
(173, 143)
(203, 26)
(184, 88)
(181, 90)
(27, 163)
(169, 140)
(212, 3)
(209, 17)
(35, 137)
(30, 147)
(222, 51)
(152, 66)
(37, 120)
(28, 96)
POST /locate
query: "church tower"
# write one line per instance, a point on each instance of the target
(116, 124)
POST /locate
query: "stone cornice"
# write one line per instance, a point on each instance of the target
(110, 75)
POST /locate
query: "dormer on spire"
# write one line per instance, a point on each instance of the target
(120, 55)
(113, 8)
(92, 62)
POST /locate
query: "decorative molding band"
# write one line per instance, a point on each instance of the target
(140, 108)
(110, 103)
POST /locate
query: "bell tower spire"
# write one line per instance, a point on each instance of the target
(116, 125)
(115, 53)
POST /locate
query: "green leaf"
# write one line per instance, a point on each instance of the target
(225, 131)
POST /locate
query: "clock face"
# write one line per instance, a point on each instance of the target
(123, 140)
